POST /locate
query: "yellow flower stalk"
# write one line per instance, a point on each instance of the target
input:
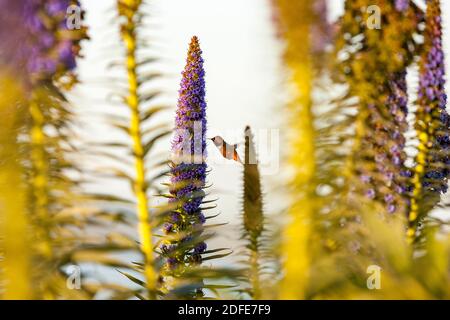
(295, 19)
(430, 177)
(39, 186)
(13, 219)
(129, 9)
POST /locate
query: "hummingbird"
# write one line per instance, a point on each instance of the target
(228, 151)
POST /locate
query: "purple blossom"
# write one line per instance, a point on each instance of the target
(388, 141)
(201, 218)
(365, 178)
(391, 208)
(168, 227)
(398, 104)
(172, 262)
(389, 198)
(200, 248)
(370, 194)
(374, 66)
(401, 5)
(188, 168)
(40, 46)
(432, 101)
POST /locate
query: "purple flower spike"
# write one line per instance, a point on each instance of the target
(188, 168)
(38, 49)
(432, 103)
(380, 87)
(389, 142)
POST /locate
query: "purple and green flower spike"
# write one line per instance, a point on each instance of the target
(43, 45)
(184, 225)
(188, 176)
(376, 74)
(432, 123)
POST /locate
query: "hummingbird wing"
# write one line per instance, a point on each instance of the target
(232, 153)
(236, 157)
(229, 151)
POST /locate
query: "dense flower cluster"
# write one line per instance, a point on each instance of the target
(401, 5)
(390, 139)
(386, 179)
(376, 73)
(188, 173)
(48, 51)
(43, 45)
(433, 123)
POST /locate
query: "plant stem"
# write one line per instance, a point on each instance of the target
(298, 18)
(254, 272)
(140, 185)
(39, 182)
(15, 264)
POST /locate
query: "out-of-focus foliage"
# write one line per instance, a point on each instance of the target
(129, 11)
(137, 164)
(295, 20)
(253, 229)
(372, 61)
(61, 230)
(357, 126)
(432, 125)
(15, 261)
